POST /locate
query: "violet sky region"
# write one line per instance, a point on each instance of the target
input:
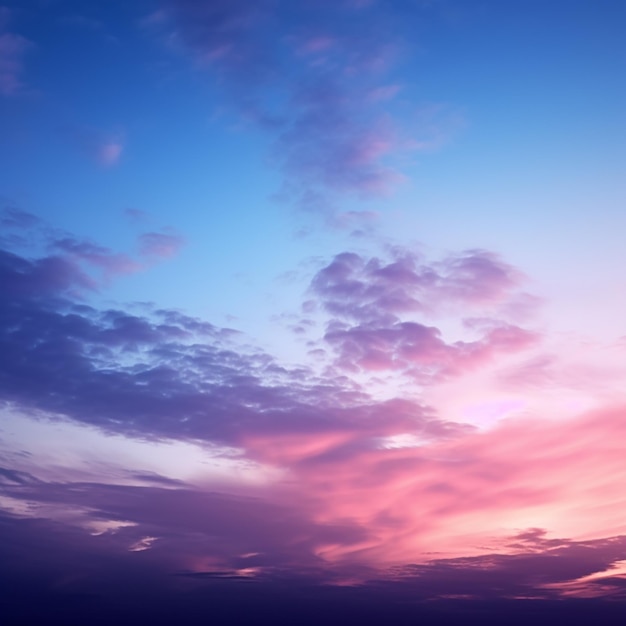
(312, 311)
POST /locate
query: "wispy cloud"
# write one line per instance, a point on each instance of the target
(160, 245)
(318, 84)
(103, 148)
(78, 263)
(13, 48)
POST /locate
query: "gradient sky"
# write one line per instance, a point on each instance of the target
(315, 292)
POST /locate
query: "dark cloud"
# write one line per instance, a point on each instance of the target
(190, 528)
(54, 573)
(543, 569)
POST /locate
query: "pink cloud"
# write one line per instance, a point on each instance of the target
(454, 496)
(377, 308)
(477, 276)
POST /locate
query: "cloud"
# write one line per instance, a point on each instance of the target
(363, 489)
(85, 252)
(537, 573)
(103, 148)
(162, 374)
(378, 517)
(410, 346)
(12, 217)
(375, 514)
(13, 48)
(133, 374)
(77, 262)
(458, 495)
(374, 304)
(137, 216)
(326, 147)
(160, 245)
(318, 84)
(376, 290)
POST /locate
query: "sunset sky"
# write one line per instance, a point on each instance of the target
(315, 297)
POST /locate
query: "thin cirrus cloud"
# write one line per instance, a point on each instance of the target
(103, 148)
(327, 80)
(160, 245)
(13, 49)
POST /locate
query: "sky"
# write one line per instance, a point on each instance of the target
(312, 308)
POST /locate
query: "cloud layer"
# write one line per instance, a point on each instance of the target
(363, 488)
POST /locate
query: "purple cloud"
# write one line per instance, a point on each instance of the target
(82, 264)
(72, 362)
(13, 48)
(40, 277)
(160, 245)
(103, 148)
(378, 291)
(200, 537)
(327, 79)
(374, 304)
(419, 350)
(100, 257)
(164, 375)
(539, 569)
(350, 502)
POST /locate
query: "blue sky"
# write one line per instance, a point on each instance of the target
(517, 107)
